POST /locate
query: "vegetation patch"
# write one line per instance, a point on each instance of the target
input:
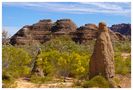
(59, 57)
(122, 66)
(96, 82)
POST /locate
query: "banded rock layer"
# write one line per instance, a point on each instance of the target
(45, 30)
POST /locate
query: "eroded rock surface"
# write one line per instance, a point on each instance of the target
(102, 60)
(85, 33)
(123, 28)
(45, 30)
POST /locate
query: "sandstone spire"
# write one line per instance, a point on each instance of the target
(102, 60)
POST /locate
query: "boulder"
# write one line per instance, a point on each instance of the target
(64, 26)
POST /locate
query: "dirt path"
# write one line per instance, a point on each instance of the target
(125, 81)
(21, 83)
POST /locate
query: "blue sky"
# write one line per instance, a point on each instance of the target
(16, 15)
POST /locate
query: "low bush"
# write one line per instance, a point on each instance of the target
(15, 63)
(122, 66)
(63, 64)
(122, 46)
(96, 82)
(63, 57)
(59, 57)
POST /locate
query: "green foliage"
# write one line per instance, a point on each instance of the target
(79, 65)
(122, 66)
(97, 82)
(122, 46)
(64, 64)
(61, 56)
(7, 79)
(15, 63)
(47, 61)
(117, 80)
(64, 44)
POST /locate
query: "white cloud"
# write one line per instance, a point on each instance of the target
(104, 5)
(79, 8)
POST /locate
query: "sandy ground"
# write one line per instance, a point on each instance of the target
(21, 83)
(125, 82)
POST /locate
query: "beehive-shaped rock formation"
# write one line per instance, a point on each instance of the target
(85, 33)
(39, 32)
(23, 36)
(45, 30)
(64, 26)
(89, 32)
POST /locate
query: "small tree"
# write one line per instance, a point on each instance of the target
(5, 37)
(15, 63)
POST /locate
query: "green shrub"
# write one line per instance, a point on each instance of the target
(122, 46)
(7, 79)
(63, 64)
(15, 63)
(122, 66)
(63, 57)
(117, 80)
(64, 44)
(47, 62)
(97, 82)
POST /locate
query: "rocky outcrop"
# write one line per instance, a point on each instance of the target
(39, 32)
(121, 37)
(45, 30)
(102, 59)
(89, 32)
(22, 37)
(124, 29)
(64, 26)
(85, 33)
(42, 31)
